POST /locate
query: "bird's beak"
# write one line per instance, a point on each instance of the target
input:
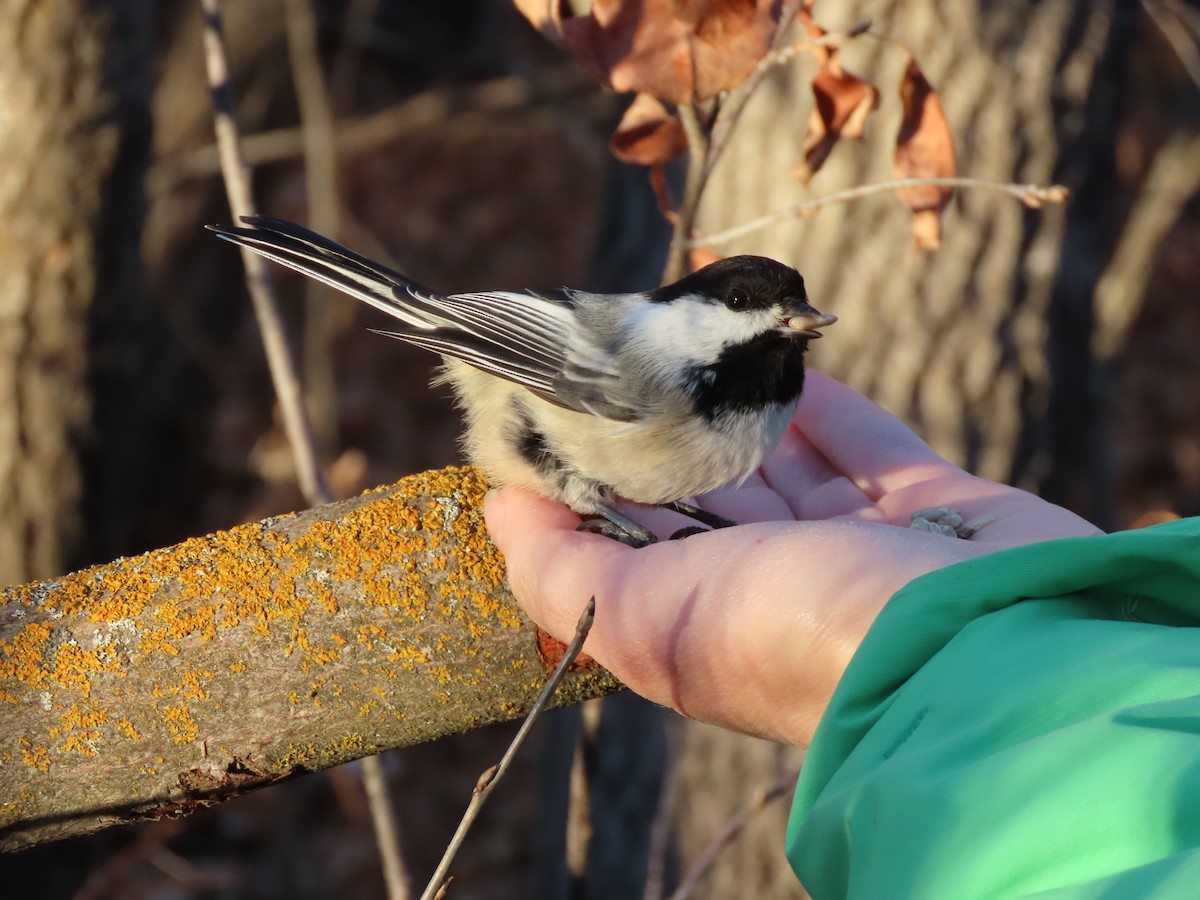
(805, 321)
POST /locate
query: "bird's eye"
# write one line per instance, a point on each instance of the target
(737, 299)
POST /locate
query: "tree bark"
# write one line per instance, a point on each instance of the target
(177, 679)
(73, 78)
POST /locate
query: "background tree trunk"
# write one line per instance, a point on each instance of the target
(982, 346)
(74, 78)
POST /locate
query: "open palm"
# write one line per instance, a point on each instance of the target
(751, 627)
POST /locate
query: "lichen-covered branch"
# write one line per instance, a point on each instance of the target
(163, 682)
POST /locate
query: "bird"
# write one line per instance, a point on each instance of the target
(650, 397)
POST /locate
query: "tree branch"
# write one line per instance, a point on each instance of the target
(161, 683)
(262, 296)
(488, 780)
(1032, 195)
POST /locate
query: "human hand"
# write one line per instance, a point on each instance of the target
(751, 627)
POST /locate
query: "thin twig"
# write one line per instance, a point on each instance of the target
(487, 781)
(730, 832)
(321, 183)
(782, 55)
(1032, 195)
(387, 831)
(734, 104)
(579, 799)
(241, 203)
(697, 173)
(706, 148)
(444, 108)
(660, 826)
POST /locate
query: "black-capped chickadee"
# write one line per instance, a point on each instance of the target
(651, 397)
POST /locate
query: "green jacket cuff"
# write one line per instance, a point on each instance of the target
(1024, 723)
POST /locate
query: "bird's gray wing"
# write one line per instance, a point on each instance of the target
(533, 339)
(529, 338)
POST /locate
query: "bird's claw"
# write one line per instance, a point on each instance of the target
(601, 525)
(687, 532)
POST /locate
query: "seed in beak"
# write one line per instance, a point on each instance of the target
(806, 324)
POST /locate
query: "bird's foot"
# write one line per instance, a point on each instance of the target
(703, 516)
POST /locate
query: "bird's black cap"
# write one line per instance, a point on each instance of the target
(763, 282)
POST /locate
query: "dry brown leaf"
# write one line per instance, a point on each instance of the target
(841, 104)
(924, 149)
(648, 134)
(677, 50)
(545, 16)
(699, 257)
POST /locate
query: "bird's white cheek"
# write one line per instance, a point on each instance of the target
(675, 335)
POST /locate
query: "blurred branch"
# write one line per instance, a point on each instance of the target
(241, 203)
(1169, 17)
(387, 827)
(761, 799)
(685, 218)
(1171, 183)
(489, 779)
(1032, 195)
(707, 141)
(664, 815)
(781, 52)
(324, 204)
(158, 684)
(580, 782)
(446, 107)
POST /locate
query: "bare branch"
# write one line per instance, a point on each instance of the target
(241, 203)
(161, 683)
(660, 826)
(1170, 21)
(387, 829)
(446, 107)
(324, 205)
(685, 219)
(1032, 195)
(732, 106)
(488, 780)
(729, 833)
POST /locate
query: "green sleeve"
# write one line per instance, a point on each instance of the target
(1026, 723)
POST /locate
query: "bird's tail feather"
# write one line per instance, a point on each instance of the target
(316, 256)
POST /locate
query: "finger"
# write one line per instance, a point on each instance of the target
(553, 570)
(874, 449)
(751, 501)
(810, 486)
(523, 525)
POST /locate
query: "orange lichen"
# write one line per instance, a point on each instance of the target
(75, 718)
(180, 724)
(192, 684)
(23, 657)
(74, 666)
(324, 593)
(82, 743)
